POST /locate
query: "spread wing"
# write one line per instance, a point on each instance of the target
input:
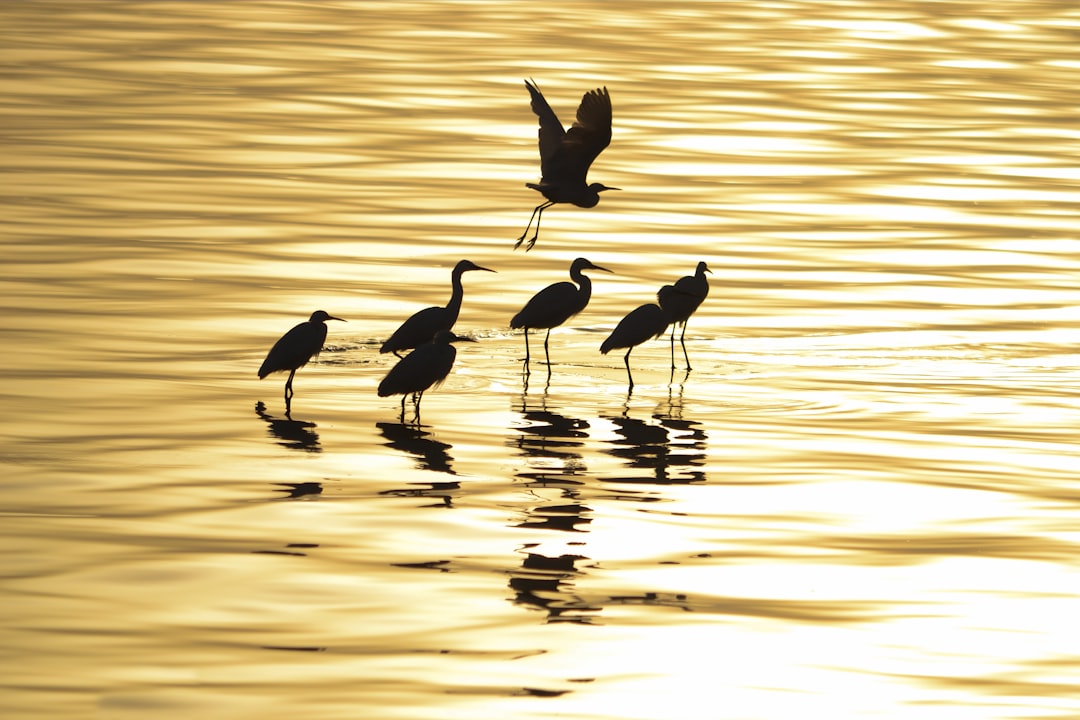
(565, 155)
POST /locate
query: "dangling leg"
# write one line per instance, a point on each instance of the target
(536, 211)
(536, 233)
(626, 359)
(546, 356)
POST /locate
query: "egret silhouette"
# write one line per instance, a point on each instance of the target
(565, 155)
(295, 348)
(426, 366)
(556, 304)
(642, 323)
(681, 300)
(424, 324)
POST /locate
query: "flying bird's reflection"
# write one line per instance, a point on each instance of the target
(547, 583)
(292, 434)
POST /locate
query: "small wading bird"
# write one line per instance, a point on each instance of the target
(426, 366)
(565, 155)
(680, 301)
(556, 304)
(642, 323)
(295, 348)
(423, 325)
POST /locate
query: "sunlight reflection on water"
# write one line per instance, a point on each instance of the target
(859, 503)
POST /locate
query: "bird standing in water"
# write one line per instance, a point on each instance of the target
(295, 348)
(642, 323)
(565, 155)
(426, 366)
(681, 300)
(422, 326)
(556, 304)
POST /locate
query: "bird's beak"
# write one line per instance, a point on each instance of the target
(604, 269)
(610, 188)
(483, 268)
(331, 317)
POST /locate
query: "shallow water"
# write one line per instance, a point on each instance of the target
(860, 503)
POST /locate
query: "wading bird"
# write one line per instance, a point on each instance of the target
(565, 155)
(295, 348)
(680, 301)
(556, 304)
(426, 366)
(422, 326)
(642, 323)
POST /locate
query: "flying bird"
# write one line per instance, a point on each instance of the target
(681, 300)
(565, 155)
(295, 348)
(422, 326)
(556, 304)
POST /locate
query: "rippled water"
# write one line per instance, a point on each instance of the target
(860, 503)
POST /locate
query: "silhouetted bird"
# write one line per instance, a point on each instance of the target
(647, 321)
(422, 326)
(680, 301)
(565, 155)
(426, 366)
(295, 348)
(556, 304)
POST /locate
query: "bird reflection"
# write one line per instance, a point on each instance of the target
(667, 445)
(547, 583)
(292, 434)
(414, 440)
(550, 441)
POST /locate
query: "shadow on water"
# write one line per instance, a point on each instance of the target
(292, 434)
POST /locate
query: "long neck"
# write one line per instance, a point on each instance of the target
(584, 285)
(453, 308)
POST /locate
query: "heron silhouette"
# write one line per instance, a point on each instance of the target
(556, 304)
(422, 326)
(640, 324)
(294, 350)
(426, 366)
(681, 300)
(565, 155)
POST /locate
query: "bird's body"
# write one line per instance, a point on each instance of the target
(425, 367)
(565, 155)
(422, 326)
(295, 349)
(556, 304)
(681, 300)
(641, 324)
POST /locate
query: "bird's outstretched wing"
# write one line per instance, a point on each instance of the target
(591, 132)
(565, 155)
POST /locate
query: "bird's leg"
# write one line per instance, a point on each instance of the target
(526, 370)
(289, 390)
(403, 396)
(547, 357)
(629, 376)
(416, 408)
(536, 213)
(673, 348)
(682, 341)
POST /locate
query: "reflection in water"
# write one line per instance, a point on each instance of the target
(547, 583)
(667, 445)
(299, 489)
(432, 455)
(293, 434)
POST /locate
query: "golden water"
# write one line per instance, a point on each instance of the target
(862, 502)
